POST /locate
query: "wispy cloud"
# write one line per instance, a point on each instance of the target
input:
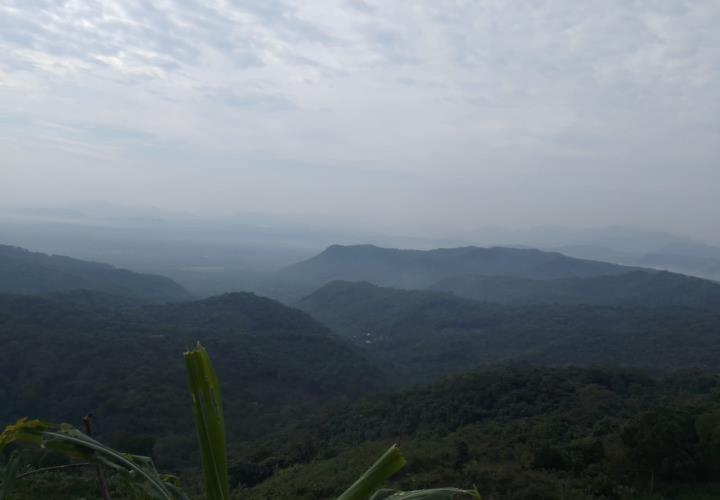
(462, 96)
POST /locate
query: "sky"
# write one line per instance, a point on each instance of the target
(427, 117)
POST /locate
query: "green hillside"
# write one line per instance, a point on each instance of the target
(516, 434)
(62, 360)
(426, 334)
(636, 288)
(25, 272)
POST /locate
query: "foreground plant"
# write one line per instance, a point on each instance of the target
(209, 422)
(210, 425)
(369, 484)
(76, 445)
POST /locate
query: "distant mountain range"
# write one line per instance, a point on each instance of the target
(620, 239)
(81, 337)
(26, 272)
(209, 256)
(617, 244)
(421, 268)
(635, 288)
(418, 314)
(701, 266)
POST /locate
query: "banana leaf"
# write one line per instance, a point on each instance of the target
(368, 486)
(75, 444)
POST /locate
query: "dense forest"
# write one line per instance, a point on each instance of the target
(62, 360)
(589, 386)
(539, 433)
(359, 250)
(425, 334)
(515, 433)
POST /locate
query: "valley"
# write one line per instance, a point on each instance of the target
(457, 353)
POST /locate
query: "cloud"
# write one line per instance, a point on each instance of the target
(473, 100)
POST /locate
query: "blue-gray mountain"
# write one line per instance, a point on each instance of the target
(26, 272)
(635, 288)
(422, 268)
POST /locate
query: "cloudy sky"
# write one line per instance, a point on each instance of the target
(434, 116)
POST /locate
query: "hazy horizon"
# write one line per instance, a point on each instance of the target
(101, 213)
(410, 118)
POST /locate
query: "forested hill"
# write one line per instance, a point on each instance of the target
(422, 268)
(426, 334)
(237, 312)
(517, 434)
(26, 272)
(635, 288)
(62, 360)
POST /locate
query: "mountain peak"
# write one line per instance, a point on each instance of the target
(421, 268)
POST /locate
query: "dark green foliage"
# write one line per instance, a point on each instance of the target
(69, 442)
(636, 289)
(248, 474)
(664, 444)
(707, 427)
(63, 360)
(290, 386)
(25, 272)
(515, 433)
(426, 334)
(240, 311)
(139, 475)
(64, 485)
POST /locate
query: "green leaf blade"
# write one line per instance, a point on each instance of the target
(387, 465)
(210, 423)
